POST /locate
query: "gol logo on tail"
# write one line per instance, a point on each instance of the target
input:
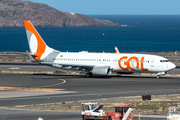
(127, 63)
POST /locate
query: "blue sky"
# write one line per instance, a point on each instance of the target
(133, 7)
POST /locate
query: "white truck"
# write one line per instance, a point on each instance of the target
(173, 113)
(92, 111)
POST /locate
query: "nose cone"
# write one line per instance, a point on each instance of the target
(172, 65)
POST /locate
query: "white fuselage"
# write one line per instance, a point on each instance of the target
(123, 62)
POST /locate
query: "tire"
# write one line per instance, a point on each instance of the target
(158, 77)
(87, 75)
(83, 118)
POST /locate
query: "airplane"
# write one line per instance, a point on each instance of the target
(95, 64)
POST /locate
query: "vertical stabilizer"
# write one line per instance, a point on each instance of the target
(37, 45)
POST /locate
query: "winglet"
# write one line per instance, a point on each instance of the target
(116, 50)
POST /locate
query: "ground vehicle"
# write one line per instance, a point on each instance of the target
(173, 113)
(92, 111)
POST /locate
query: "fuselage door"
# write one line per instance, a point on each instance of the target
(152, 62)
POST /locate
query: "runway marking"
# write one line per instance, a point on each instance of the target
(27, 88)
(64, 81)
(14, 68)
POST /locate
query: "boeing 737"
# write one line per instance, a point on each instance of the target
(101, 64)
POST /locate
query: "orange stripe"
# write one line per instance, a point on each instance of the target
(41, 45)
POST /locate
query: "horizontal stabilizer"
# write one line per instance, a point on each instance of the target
(31, 57)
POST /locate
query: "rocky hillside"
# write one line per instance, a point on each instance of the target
(14, 12)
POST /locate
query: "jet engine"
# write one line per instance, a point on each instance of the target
(102, 71)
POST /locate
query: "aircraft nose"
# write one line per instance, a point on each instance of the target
(172, 65)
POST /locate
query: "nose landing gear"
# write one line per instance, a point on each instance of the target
(159, 74)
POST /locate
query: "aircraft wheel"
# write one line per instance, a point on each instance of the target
(89, 75)
(158, 76)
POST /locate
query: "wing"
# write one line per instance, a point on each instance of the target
(68, 66)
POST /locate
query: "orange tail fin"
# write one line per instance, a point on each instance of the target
(36, 44)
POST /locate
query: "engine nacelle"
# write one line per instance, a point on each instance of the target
(102, 71)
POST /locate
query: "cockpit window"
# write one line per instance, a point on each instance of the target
(164, 60)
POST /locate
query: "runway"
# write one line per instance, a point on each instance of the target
(78, 87)
(30, 89)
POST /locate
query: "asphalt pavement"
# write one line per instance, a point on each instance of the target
(78, 87)
(14, 114)
(75, 87)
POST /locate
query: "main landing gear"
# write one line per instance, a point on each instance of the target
(89, 75)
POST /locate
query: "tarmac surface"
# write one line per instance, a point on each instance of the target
(76, 87)
(24, 66)
(13, 114)
(29, 89)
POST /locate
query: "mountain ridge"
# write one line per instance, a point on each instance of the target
(14, 12)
